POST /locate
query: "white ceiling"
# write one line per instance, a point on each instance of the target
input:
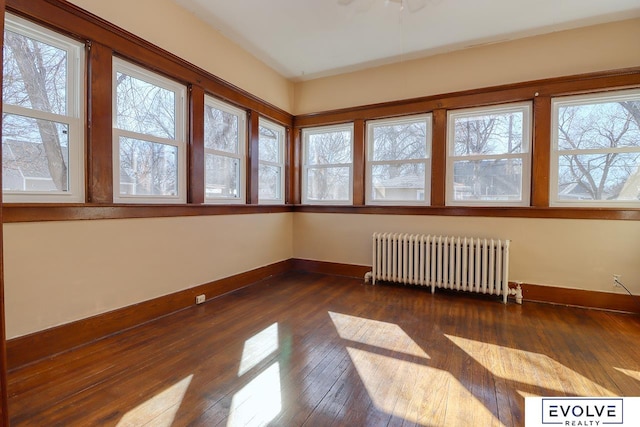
(305, 39)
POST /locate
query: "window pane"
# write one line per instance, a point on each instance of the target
(599, 125)
(269, 145)
(404, 182)
(611, 176)
(328, 184)
(222, 176)
(148, 168)
(220, 130)
(488, 180)
(35, 154)
(35, 74)
(489, 134)
(145, 108)
(400, 141)
(270, 179)
(329, 148)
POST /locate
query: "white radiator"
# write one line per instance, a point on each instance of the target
(459, 263)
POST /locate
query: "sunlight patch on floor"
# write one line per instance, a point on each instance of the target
(258, 347)
(160, 410)
(534, 369)
(633, 374)
(259, 402)
(418, 393)
(376, 333)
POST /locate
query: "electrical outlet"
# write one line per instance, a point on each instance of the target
(616, 279)
(200, 299)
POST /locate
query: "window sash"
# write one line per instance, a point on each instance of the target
(306, 167)
(239, 155)
(524, 155)
(426, 161)
(73, 119)
(280, 163)
(178, 141)
(556, 153)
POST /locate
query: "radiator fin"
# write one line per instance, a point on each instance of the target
(447, 262)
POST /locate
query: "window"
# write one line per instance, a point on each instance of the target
(271, 162)
(488, 162)
(43, 122)
(398, 161)
(149, 137)
(327, 175)
(595, 155)
(225, 140)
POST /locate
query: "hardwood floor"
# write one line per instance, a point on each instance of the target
(305, 349)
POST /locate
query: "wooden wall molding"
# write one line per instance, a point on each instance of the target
(70, 212)
(36, 346)
(500, 212)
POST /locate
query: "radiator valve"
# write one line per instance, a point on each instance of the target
(517, 291)
(367, 277)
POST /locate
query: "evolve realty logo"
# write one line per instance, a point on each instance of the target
(582, 411)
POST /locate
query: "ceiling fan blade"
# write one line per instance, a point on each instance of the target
(414, 5)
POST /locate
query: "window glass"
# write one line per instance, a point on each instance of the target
(399, 165)
(42, 127)
(149, 137)
(271, 162)
(596, 150)
(489, 159)
(224, 146)
(328, 165)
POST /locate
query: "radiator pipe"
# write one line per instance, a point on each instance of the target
(517, 291)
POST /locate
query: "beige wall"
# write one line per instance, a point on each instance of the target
(581, 254)
(590, 49)
(165, 24)
(58, 272)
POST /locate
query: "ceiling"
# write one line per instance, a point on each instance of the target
(305, 39)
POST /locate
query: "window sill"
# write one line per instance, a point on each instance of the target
(24, 212)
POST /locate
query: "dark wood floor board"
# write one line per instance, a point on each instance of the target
(344, 354)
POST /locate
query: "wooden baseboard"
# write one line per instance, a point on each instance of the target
(581, 298)
(531, 292)
(332, 268)
(36, 346)
(39, 345)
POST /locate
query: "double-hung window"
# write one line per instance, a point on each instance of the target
(595, 155)
(225, 141)
(43, 117)
(149, 136)
(488, 161)
(271, 162)
(327, 175)
(399, 161)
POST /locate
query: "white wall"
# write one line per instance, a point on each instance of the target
(582, 254)
(59, 272)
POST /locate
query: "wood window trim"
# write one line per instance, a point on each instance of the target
(105, 39)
